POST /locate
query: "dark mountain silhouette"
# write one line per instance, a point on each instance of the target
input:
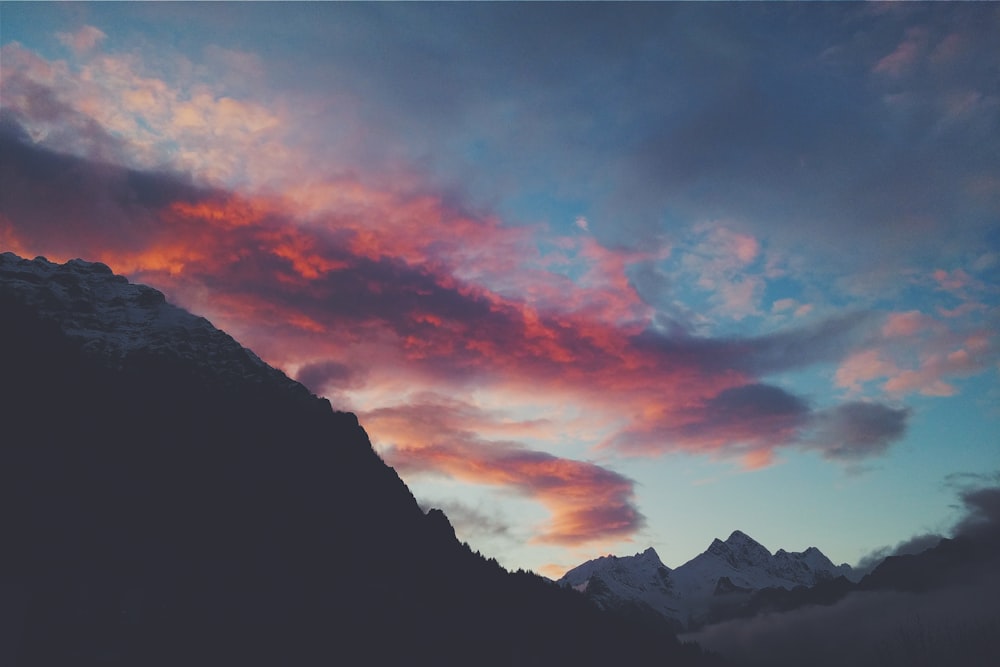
(936, 607)
(962, 560)
(168, 499)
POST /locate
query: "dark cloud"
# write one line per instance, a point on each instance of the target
(914, 545)
(760, 418)
(59, 127)
(979, 521)
(320, 375)
(754, 401)
(826, 340)
(74, 205)
(857, 430)
(953, 621)
(982, 518)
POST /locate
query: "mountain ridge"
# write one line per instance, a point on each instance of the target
(696, 591)
(170, 499)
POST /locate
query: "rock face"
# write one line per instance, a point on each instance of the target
(168, 498)
(705, 587)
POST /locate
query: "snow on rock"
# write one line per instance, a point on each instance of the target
(737, 566)
(113, 318)
(611, 581)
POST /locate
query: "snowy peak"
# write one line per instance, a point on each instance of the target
(750, 565)
(613, 581)
(691, 593)
(635, 568)
(740, 549)
(114, 319)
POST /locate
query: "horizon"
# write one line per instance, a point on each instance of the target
(594, 278)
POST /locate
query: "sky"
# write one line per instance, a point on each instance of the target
(594, 277)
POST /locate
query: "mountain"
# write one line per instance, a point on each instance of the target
(617, 582)
(711, 585)
(167, 498)
(936, 607)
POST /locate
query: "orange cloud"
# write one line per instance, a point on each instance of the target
(587, 503)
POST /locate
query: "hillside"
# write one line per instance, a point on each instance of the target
(170, 499)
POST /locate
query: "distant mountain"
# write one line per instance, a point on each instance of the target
(167, 498)
(936, 607)
(707, 587)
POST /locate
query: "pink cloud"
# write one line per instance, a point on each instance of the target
(83, 40)
(935, 354)
(962, 310)
(901, 325)
(347, 292)
(720, 262)
(587, 503)
(804, 310)
(948, 48)
(862, 367)
(782, 305)
(976, 353)
(952, 281)
(905, 55)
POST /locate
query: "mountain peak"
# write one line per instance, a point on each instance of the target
(649, 555)
(739, 537)
(114, 319)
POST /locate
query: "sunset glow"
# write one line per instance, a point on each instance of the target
(586, 274)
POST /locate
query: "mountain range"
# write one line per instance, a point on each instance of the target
(168, 498)
(708, 586)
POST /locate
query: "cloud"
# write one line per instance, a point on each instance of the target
(982, 514)
(914, 545)
(186, 125)
(83, 40)
(905, 324)
(954, 620)
(857, 430)
(755, 420)
(472, 523)
(936, 352)
(905, 55)
(330, 378)
(391, 294)
(587, 503)
(953, 624)
(979, 519)
(361, 209)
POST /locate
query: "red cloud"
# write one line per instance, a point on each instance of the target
(401, 286)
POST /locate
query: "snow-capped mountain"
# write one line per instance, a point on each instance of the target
(614, 581)
(725, 573)
(115, 319)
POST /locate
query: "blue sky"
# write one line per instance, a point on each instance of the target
(594, 277)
